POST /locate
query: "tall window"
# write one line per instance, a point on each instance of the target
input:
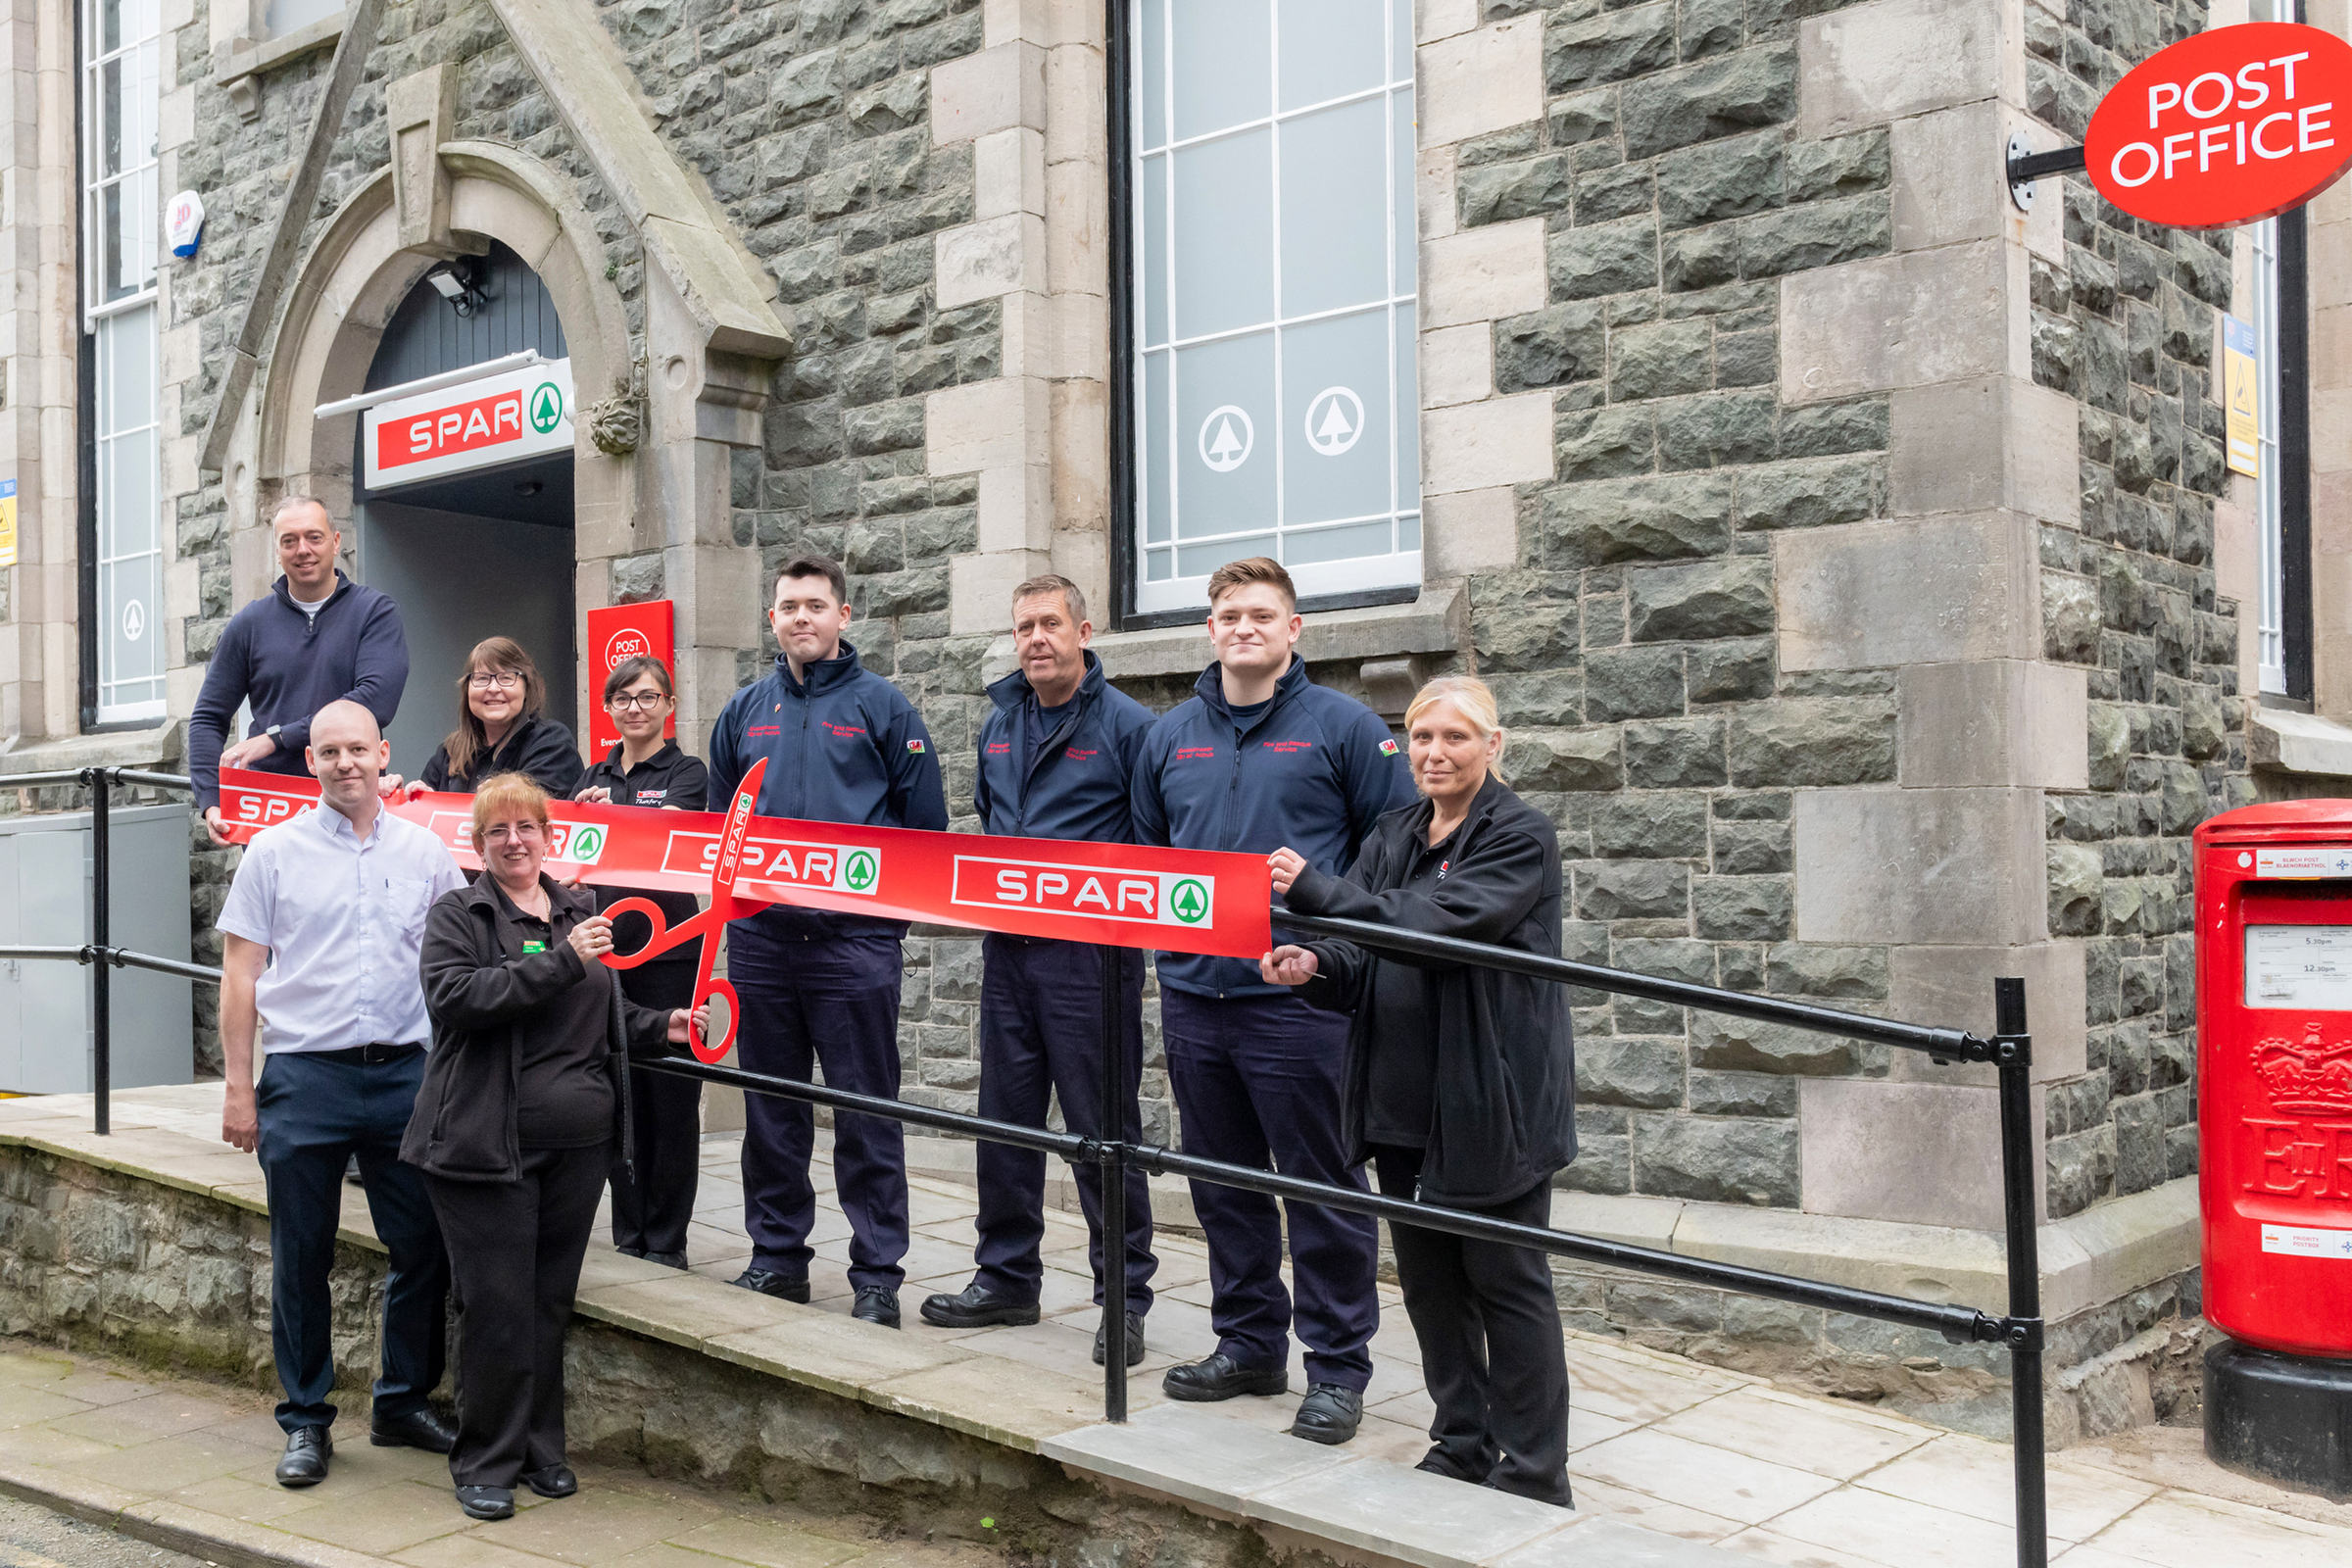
(1273, 281)
(2269, 621)
(122, 52)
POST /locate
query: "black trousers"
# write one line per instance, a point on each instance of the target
(514, 1250)
(649, 1214)
(1490, 1346)
(316, 1113)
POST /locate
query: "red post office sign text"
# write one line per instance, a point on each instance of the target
(2234, 124)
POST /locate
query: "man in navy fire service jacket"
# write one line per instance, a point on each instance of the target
(842, 746)
(1054, 760)
(1259, 757)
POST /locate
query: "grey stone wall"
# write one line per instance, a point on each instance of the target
(2127, 327)
(1633, 652)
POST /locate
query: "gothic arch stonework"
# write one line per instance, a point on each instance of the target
(668, 496)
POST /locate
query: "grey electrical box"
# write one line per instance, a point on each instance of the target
(46, 1043)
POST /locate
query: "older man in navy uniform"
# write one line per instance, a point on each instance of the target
(1054, 760)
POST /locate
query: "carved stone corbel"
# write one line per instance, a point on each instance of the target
(421, 112)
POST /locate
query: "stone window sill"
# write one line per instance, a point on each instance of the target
(2283, 740)
(1437, 623)
(151, 748)
(239, 65)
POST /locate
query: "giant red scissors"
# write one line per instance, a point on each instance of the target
(711, 922)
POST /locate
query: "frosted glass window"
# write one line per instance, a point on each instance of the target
(122, 222)
(1273, 294)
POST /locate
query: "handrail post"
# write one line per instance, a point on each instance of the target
(1112, 1174)
(2020, 1211)
(102, 940)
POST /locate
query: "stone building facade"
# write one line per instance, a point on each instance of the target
(1851, 547)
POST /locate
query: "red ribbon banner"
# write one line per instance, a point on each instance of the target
(1116, 895)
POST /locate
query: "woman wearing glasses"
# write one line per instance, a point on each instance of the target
(515, 1129)
(651, 1211)
(501, 728)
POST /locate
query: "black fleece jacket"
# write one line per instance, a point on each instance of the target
(485, 996)
(538, 747)
(1504, 1116)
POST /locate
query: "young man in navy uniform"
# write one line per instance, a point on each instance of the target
(1054, 760)
(842, 744)
(1261, 758)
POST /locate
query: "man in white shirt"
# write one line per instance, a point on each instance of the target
(321, 928)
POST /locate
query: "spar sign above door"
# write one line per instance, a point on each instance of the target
(502, 419)
(2229, 125)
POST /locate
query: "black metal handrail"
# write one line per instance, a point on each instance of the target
(2009, 1050)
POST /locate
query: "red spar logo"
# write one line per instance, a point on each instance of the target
(266, 807)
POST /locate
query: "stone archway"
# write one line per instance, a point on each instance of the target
(659, 498)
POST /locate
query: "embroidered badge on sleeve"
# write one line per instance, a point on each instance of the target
(915, 746)
(1387, 748)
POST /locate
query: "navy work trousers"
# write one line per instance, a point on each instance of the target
(652, 1211)
(1258, 1084)
(315, 1116)
(1041, 1033)
(830, 1001)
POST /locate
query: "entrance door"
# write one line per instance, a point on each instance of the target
(483, 553)
(458, 578)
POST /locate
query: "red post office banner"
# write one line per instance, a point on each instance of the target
(1118, 895)
(616, 633)
(2226, 126)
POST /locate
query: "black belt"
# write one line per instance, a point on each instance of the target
(369, 1055)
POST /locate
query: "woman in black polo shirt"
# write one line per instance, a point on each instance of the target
(649, 1214)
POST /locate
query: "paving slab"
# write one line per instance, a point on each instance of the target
(686, 1309)
(1182, 1452)
(840, 1356)
(1389, 1509)
(1606, 1543)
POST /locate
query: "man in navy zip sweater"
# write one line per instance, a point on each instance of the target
(842, 746)
(1261, 758)
(1054, 760)
(316, 638)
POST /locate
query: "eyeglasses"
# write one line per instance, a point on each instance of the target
(647, 700)
(501, 833)
(482, 680)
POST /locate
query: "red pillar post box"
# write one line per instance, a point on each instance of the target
(2273, 957)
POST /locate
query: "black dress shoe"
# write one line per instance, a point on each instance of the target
(877, 1304)
(1437, 1463)
(1135, 1339)
(555, 1481)
(1220, 1377)
(424, 1428)
(1329, 1414)
(630, 1252)
(487, 1502)
(780, 1286)
(308, 1448)
(976, 1306)
(666, 1259)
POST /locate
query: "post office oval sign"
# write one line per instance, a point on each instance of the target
(2229, 125)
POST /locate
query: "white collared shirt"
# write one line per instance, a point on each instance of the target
(344, 921)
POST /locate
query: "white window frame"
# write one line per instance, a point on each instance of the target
(124, 696)
(2270, 619)
(1401, 566)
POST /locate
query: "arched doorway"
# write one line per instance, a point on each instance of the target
(484, 552)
